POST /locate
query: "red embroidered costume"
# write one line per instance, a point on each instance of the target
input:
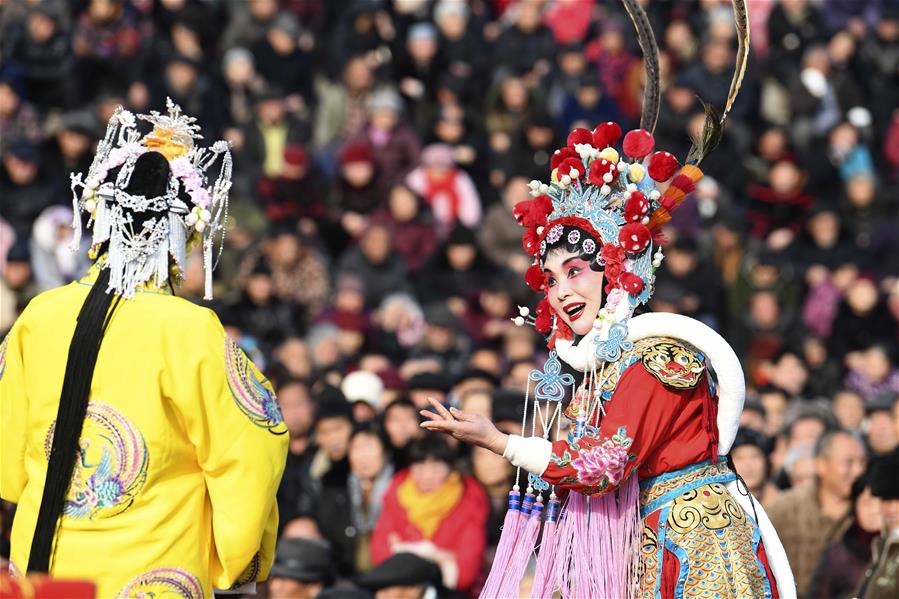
(661, 426)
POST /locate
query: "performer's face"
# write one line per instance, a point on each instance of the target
(573, 289)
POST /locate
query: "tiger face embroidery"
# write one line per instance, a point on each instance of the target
(672, 362)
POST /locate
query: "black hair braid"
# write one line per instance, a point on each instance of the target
(150, 179)
(93, 320)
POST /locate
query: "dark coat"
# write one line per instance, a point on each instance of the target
(396, 158)
(842, 565)
(379, 280)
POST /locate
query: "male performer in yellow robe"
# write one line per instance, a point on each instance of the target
(180, 454)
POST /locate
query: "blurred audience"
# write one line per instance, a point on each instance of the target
(374, 262)
(816, 513)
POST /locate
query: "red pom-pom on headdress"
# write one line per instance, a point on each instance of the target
(598, 170)
(636, 208)
(579, 136)
(543, 205)
(560, 155)
(634, 237)
(662, 166)
(605, 135)
(631, 283)
(568, 164)
(638, 143)
(521, 212)
(563, 331)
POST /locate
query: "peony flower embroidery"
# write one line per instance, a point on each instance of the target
(603, 462)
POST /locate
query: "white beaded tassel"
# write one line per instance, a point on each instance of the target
(207, 267)
(178, 241)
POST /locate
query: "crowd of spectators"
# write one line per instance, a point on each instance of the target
(373, 260)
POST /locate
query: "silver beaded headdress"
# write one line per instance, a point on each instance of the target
(157, 251)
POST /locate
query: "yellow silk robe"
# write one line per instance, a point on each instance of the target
(181, 455)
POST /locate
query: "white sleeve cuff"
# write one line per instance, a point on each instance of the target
(530, 453)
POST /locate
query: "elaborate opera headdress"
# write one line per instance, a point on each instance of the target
(609, 200)
(193, 210)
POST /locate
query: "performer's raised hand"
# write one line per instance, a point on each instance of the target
(465, 426)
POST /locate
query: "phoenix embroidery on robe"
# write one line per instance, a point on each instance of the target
(111, 465)
(250, 392)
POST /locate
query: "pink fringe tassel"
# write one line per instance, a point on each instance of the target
(509, 587)
(544, 578)
(505, 548)
(527, 539)
(599, 544)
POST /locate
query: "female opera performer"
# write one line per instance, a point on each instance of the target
(650, 502)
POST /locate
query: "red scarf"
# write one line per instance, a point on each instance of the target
(446, 186)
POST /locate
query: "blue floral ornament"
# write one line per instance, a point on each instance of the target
(606, 222)
(584, 201)
(537, 483)
(551, 382)
(612, 348)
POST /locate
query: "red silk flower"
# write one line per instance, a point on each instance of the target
(533, 213)
(662, 166)
(612, 254)
(613, 257)
(544, 320)
(634, 237)
(636, 208)
(638, 143)
(534, 277)
(631, 283)
(571, 163)
(563, 331)
(612, 275)
(579, 135)
(606, 134)
(530, 241)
